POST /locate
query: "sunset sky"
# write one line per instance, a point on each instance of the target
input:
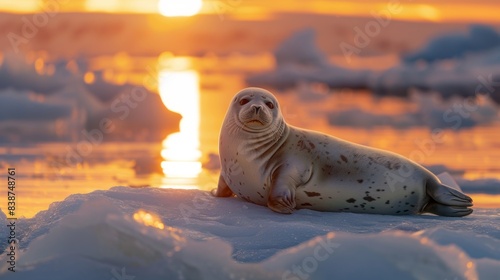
(431, 10)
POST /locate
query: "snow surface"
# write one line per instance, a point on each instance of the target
(95, 236)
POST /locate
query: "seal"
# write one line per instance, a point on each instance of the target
(268, 162)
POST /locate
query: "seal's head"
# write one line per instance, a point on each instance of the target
(254, 110)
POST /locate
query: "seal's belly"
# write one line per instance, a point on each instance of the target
(247, 183)
(364, 192)
(356, 178)
(252, 191)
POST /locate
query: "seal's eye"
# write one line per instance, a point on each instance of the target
(243, 101)
(270, 105)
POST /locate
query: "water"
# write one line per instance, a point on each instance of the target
(200, 88)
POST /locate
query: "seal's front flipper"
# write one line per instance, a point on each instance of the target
(282, 201)
(223, 189)
(446, 195)
(282, 195)
(446, 210)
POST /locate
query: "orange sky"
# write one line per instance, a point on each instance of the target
(420, 10)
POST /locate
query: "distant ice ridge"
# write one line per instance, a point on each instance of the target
(480, 38)
(470, 68)
(152, 233)
(299, 60)
(61, 106)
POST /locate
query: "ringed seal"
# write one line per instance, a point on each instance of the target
(268, 162)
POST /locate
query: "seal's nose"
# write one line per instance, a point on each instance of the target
(256, 108)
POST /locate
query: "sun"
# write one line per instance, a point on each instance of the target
(179, 8)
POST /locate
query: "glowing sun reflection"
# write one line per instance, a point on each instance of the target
(148, 219)
(179, 90)
(183, 8)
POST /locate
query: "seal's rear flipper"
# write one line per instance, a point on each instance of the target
(445, 210)
(446, 195)
(447, 179)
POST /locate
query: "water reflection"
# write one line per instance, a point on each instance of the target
(179, 90)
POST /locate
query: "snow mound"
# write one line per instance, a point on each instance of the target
(153, 233)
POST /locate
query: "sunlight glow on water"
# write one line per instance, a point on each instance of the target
(185, 8)
(478, 11)
(96, 5)
(179, 90)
